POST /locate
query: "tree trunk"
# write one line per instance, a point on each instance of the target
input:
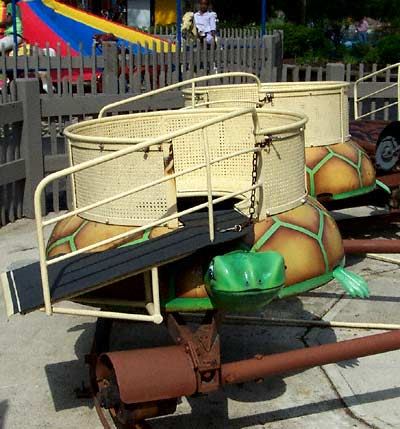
(303, 11)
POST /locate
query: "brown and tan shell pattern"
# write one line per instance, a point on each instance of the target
(339, 171)
(75, 233)
(307, 237)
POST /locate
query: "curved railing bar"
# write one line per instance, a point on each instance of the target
(208, 103)
(390, 85)
(191, 82)
(100, 160)
(302, 120)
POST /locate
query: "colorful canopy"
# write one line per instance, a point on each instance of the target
(57, 23)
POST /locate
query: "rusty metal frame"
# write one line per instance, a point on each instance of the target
(203, 345)
(371, 245)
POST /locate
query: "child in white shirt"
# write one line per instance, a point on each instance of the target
(205, 22)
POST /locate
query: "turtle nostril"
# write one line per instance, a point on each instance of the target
(259, 281)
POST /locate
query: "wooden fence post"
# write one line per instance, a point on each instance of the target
(268, 62)
(278, 53)
(110, 72)
(272, 65)
(335, 71)
(31, 140)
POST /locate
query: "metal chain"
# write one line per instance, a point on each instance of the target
(252, 208)
(254, 173)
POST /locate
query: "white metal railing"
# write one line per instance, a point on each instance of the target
(358, 114)
(191, 82)
(152, 301)
(232, 101)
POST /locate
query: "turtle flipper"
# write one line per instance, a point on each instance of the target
(353, 284)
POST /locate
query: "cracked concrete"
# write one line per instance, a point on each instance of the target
(41, 361)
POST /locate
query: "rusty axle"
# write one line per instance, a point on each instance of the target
(169, 372)
(374, 246)
(263, 366)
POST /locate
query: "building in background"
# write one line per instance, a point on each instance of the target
(164, 12)
(136, 13)
(139, 13)
(146, 13)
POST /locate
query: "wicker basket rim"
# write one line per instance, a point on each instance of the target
(72, 131)
(277, 87)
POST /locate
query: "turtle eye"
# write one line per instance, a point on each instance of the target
(211, 273)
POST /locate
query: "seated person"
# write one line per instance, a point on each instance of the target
(205, 22)
(7, 42)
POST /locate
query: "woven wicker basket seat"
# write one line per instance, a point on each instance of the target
(330, 151)
(325, 104)
(283, 169)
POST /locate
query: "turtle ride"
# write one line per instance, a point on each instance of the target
(201, 211)
(337, 167)
(376, 128)
(341, 167)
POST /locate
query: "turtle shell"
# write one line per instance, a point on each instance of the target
(339, 171)
(75, 233)
(308, 239)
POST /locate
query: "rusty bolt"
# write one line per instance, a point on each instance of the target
(229, 378)
(104, 383)
(207, 375)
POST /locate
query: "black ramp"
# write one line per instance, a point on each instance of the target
(23, 287)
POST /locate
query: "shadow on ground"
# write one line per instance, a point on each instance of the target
(3, 413)
(65, 377)
(187, 420)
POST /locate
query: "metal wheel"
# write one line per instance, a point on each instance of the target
(101, 344)
(387, 153)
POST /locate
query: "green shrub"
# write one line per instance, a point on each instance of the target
(387, 50)
(301, 42)
(362, 52)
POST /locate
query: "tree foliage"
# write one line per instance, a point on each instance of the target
(304, 43)
(238, 13)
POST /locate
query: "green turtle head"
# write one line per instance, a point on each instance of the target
(244, 281)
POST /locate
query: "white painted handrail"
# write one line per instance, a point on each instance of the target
(232, 101)
(358, 100)
(152, 289)
(191, 82)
